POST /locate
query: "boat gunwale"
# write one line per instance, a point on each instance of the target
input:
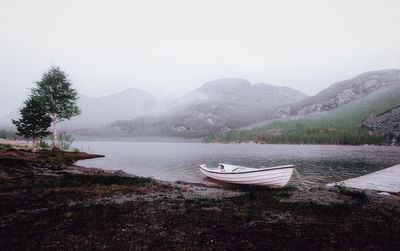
(253, 171)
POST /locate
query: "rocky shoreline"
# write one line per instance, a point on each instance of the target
(48, 203)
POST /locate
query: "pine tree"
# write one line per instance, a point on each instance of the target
(57, 96)
(34, 120)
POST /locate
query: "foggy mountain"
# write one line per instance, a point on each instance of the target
(340, 114)
(342, 93)
(5, 121)
(99, 111)
(216, 106)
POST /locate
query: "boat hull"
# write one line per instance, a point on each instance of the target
(274, 178)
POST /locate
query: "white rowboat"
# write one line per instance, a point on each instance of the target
(275, 177)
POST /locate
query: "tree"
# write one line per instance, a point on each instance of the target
(34, 120)
(57, 96)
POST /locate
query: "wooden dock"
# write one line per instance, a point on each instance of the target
(386, 180)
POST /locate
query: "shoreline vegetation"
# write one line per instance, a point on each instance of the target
(299, 133)
(47, 202)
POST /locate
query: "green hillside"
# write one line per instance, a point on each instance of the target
(339, 126)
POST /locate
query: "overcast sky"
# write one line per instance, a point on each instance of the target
(172, 47)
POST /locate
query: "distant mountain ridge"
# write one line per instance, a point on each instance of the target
(228, 104)
(99, 111)
(341, 93)
(218, 105)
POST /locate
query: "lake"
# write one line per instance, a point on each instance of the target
(173, 161)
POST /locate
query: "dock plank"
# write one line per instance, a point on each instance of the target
(386, 180)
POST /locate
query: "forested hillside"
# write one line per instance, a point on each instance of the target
(342, 125)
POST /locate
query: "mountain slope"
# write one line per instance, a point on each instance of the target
(386, 123)
(338, 126)
(99, 111)
(218, 105)
(342, 93)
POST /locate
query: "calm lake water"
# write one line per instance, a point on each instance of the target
(318, 164)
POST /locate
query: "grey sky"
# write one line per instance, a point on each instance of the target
(172, 47)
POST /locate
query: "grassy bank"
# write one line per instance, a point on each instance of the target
(338, 126)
